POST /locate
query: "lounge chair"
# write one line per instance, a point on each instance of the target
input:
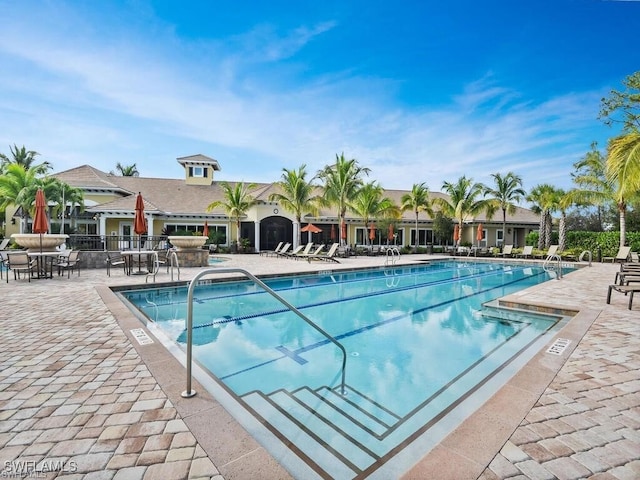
(621, 256)
(293, 253)
(312, 254)
(507, 251)
(527, 252)
(626, 289)
(306, 251)
(285, 248)
(4, 243)
(330, 256)
(272, 252)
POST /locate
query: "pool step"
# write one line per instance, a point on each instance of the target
(345, 434)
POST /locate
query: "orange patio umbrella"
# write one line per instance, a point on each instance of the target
(372, 232)
(205, 230)
(479, 233)
(40, 224)
(310, 227)
(344, 230)
(456, 233)
(139, 223)
(332, 236)
(390, 232)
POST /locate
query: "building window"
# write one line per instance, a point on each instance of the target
(425, 236)
(199, 172)
(221, 230)
(499, 237)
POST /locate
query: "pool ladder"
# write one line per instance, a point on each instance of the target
(189, 392)
(172, 261)
(549, 266)
(393, 255)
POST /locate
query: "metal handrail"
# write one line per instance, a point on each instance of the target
(393, 251)
(586, 253)
(189, 392)
(558, 260)
(171, 256)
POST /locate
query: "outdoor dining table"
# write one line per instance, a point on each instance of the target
(128, 257)
(44, 263)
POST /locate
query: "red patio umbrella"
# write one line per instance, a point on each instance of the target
(139, 224)
(390, 232)
(344, 230)
(456, 233)
(205, 230)
(310, 227)
(372, 232)
(40, 224)
(479, 234)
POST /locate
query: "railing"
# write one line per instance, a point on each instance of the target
(172, 260)
(558, 259)
(102, 243)
(189, 392)
(394, 253)
(586, 253)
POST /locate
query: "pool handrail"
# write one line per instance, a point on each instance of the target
(172, 257)
(189, 392)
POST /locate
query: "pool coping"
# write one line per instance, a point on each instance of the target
(464, 453)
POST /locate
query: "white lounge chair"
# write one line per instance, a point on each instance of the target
(527, 251)
(622, 255)
(330, 256)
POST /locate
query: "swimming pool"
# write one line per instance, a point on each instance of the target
(420, 341)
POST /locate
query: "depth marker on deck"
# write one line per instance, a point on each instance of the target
(141, 336)
(559, 346)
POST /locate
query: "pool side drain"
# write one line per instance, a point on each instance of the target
(559, 346)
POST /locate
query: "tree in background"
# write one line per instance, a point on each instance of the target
(126, 170)
(296, 194)
(505, 194)
(341, 182)
(542, 198)
(25, 158)
(370, 203)
(237, 202)
(464, 201)
(418, 200)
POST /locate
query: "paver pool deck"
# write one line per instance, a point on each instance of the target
(81, 398)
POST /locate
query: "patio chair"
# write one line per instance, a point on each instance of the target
(18, 263)
(330, 256)
(115, 259)
(527, 252)
(71, 262)
(306, 251)
(626, 289)
(311, 254)
(507, 251)
(4, 243)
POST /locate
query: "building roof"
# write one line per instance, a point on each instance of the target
(174, 197)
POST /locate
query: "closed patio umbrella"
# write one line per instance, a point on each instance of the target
(332, 236)
(205, 230)
(372, 232)
(456, 233)
(344, 230)
(40, 224)
(139, 224)
(479, 234)
(390, 232)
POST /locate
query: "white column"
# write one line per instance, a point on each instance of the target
(256, 234)
(296, 230)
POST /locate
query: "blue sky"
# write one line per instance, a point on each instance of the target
(418, 91)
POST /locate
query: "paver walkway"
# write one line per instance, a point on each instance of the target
(77, 400)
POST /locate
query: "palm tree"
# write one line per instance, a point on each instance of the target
(463, 202)
(24, 157)
(507, 192)
(342, 181)
(417, 201)
(623, 169)
(369, 203)
(64, 194)
(17, 188)
(591, 180)
(560, 203)
(297, 194)
(237, 201)
(126, 170)
(542, 198)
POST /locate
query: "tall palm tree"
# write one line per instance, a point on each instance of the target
(341, 182)
(463, 202)
(237, 202)
(560, 203)
(623, 169)
(417, 201)
(542, 197)
(126, 170)
(24, 157)
(297, 194)
(64, 194)
(370, 204)
(507, 191)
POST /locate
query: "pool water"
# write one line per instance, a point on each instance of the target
(419, 341)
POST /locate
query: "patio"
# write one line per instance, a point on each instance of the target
(79, 393)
